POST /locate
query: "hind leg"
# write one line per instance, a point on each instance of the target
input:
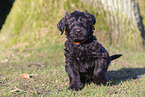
(99, 76)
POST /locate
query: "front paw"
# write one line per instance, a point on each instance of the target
(76, 87)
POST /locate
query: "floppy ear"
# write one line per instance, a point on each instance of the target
(62, 22)
(91, 18)
(61, 25)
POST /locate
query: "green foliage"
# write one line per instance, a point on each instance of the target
(28, 24)
(31, 25)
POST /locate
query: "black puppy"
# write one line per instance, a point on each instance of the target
(86, 59)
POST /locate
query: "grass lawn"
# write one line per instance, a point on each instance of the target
(29, 43)
(45, 65)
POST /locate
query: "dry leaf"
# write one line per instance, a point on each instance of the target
(67, 83)
(25, 75)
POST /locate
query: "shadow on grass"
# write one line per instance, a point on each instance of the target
(115, 77)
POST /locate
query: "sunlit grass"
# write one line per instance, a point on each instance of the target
(31, 43)
(46, 66)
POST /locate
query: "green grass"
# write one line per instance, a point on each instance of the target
(31, 43)
(51, 80)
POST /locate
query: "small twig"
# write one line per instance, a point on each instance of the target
(37, 64)
(16, 90)
(14, 56)
(33, 91)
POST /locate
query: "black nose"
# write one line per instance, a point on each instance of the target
(78, 30)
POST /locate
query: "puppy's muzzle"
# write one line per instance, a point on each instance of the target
(77, 29)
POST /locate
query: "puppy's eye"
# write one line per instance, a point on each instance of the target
(81, 19)
(71, 21)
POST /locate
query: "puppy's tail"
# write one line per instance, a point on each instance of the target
(113, 57)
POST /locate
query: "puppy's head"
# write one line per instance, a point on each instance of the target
(77, 25)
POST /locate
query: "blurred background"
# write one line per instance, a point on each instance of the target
(33, 23)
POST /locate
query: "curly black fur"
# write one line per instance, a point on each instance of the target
(86, 59)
